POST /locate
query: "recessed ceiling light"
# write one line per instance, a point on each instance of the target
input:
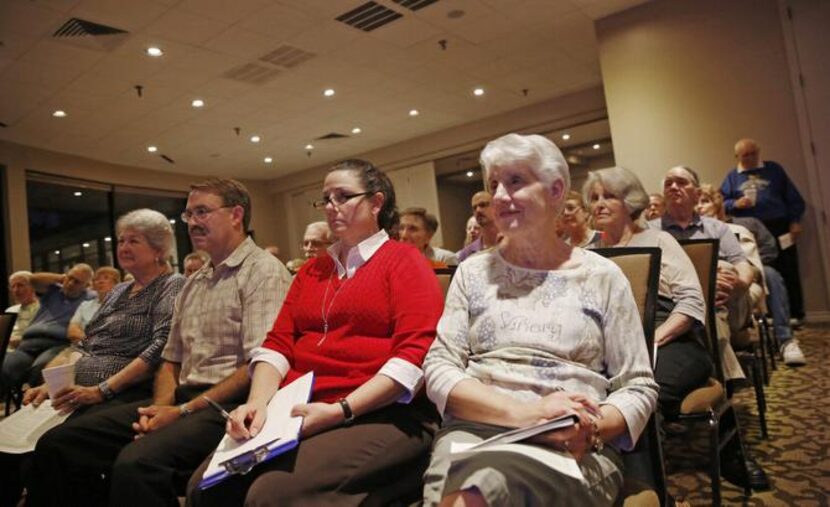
(309, 147)
(198, 103)
(108, 239)
(57, 252)
(413, 112)
(154, 51)
(86, 245)
(152, 149)
(566, 136)
(356, 130)
(268, 160)
(596, 146)
(78, 194)
(255, 139)
(173, 221)
(59, 114)
(470, 174)
(478, 92)
(328, 92)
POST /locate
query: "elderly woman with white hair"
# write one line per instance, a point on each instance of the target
(124, 339)
(617, 199)
(534, 329)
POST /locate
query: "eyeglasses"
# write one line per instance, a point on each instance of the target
(200, 213)
(337, 199)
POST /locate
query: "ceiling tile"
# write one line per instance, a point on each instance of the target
(126, 15)
(182, 26)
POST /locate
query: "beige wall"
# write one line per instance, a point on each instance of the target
(684, 79)
(18, 159)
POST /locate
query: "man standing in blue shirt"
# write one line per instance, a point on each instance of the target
(762, 189)
(60, 296)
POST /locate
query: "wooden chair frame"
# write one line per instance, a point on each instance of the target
(645, 289)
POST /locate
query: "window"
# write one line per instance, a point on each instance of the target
(73, 221)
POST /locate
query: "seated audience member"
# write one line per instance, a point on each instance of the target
(60, 296)
(316, 239)
(273, 250)
(364, 426)
(534, 329)
(417, 227)
(194, 261)
(681, 189)
(656, 206)
(574, 222)
(146, 450)
(761, 250)
(617, 198)
(484, 217)
(473, 231)
(26, 304)
(103, 281)
(762, 189)
(123, 344)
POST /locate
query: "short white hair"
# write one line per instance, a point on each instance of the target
(322, 227)
(27, 275)
(151, 224)
(622, 183)
(539, 153)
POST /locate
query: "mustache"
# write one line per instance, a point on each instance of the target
(197, 229)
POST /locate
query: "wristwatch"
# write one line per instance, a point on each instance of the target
(348, 415)
(184, 410)
(106, 390)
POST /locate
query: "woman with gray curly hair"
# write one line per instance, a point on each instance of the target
(617, 198)
(535, 329)
(125, 337)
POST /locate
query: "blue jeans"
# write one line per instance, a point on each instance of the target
(778, 303)
(25, 363)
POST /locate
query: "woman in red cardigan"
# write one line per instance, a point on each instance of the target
(362, 318)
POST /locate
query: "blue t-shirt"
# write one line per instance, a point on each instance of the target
(56, 310)
(777, 197)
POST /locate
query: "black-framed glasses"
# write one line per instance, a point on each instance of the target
(200, 213)
(337, 199)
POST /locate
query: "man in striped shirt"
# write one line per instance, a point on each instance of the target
(147, 450)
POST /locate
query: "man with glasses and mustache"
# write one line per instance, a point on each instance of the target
(146, 451)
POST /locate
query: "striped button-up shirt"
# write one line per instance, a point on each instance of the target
(224, 312)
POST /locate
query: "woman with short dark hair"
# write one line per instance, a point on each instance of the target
(362, 318)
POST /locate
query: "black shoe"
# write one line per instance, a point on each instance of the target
(733, 472)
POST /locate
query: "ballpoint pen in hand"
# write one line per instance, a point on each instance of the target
(218, 408)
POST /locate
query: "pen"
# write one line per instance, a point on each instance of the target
(218, 408)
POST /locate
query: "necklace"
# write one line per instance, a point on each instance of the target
(324, 312)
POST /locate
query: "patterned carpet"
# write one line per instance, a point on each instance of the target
(797, 455)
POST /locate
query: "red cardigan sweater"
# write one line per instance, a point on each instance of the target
(389, 308)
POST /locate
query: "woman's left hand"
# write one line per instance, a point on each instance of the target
(318, 417)
(67, 400)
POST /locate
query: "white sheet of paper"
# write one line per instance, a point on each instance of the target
(20, 431)
(785, 241)
(559, 461)
(278, 425)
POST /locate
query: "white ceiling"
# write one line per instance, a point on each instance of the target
(545, 46)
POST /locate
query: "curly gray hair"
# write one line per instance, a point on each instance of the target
(151, 224)
(622, 183)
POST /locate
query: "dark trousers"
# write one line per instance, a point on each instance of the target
(683, 365)
(787, 265)
(95, 457)
(370, 463)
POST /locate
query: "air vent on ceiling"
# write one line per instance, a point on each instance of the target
(414, 5)
(331, 135)
(90, 35)
(287, 56)
(168, 159)
(369, 16)
(252, 73)
(82, 28)
(3, 124)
